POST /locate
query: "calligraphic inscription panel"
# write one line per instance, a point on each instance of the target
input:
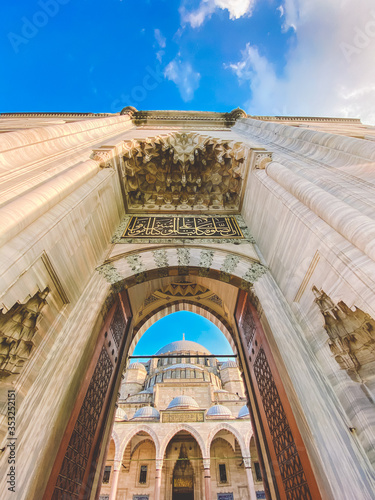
(183, 482)
(183, 227)
(174, 416)
(225, 496)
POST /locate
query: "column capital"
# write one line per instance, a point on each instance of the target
(159, 463)
(247, 462)
(117, 465)
(206, 463)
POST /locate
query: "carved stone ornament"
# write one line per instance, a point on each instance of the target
(17, 330)
(351, 333)
(262, 159)
(180, 290)
(104, 157)
(183, 171)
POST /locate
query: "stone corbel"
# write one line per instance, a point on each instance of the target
(105, 156)
(262, 159)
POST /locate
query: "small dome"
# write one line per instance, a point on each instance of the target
(244, 412)
(183, 345)
(137, 366)
(182, 402)
(146, 413)
(183, 365)
(120, 415)
(229, 364)
(219, 411)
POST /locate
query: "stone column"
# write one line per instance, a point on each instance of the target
(159, 466)
(318, 413)
(115, 478)
(207, 478)
(250, 479)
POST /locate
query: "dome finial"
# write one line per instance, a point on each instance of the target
(183, 336)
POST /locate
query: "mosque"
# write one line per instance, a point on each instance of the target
(180, 408)
(264, 225)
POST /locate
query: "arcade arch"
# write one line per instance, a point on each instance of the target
(243, 440)
(141, 428)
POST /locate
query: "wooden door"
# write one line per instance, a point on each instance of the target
(289, 461)
(76, 462)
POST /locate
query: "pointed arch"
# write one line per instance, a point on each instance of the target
(116, 440)
(185, 305)
(183, 427)
(141, 428)
(227, 427)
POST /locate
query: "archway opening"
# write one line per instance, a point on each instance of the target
(227, 459)
(182, 325)
(183, 467)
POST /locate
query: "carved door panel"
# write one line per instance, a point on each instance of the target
(289, 461)
(75, 465)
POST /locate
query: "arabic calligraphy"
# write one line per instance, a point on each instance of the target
(183, 227)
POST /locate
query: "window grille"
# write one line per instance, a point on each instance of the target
(107, 474)
(258, 473)
(143, 474)
(223, 473)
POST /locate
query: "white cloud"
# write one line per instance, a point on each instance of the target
(280, 9)
(161, 43)
(161, 40)
(159, 55)
(236, 9)
(330, 67)
(183, 75)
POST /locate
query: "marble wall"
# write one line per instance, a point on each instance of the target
(309, 208)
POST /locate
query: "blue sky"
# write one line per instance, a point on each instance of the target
(289, 57)
(171, 328)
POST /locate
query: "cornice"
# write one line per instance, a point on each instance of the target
(184, 118)
(56, 115)
(319, 119)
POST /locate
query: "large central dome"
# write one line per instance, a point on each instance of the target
(183, 345)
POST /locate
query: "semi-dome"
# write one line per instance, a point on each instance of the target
(120, 415)
(220, 411)
(149, 390)
(244, 412)
(146, 413)
(136, 366)
(183, 403)
(229, 364)
(183, 345)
